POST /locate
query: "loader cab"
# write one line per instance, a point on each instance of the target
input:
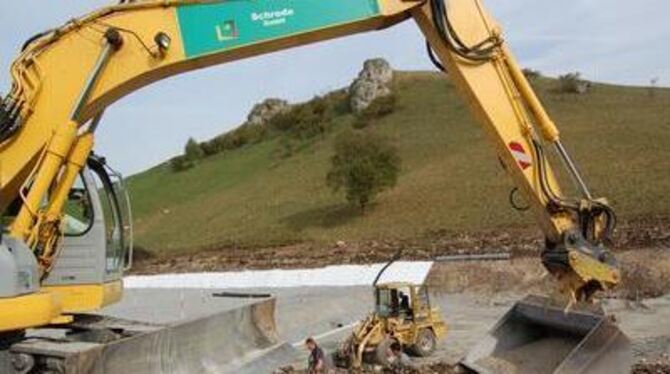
(402, 300)
(97, 226)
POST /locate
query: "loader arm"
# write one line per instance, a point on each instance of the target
(65, 78)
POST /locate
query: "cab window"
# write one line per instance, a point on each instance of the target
(78, 211)
(113, 222)
(383, 302)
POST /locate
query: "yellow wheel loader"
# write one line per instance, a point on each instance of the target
(64, 78)
(403, 314)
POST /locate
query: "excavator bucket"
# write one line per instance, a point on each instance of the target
(538, 337)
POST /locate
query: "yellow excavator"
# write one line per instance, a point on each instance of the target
(64, 241)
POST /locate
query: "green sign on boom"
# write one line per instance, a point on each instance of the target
(215, 27)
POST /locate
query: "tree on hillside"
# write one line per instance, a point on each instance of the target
(572, 83)
(364, 165)
(193, 151)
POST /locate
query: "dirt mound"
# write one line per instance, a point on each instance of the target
(432, 368)
(650, 233)
(646, 274)
(655, 367)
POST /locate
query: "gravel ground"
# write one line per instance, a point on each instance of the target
(315, 311)
(471, 296)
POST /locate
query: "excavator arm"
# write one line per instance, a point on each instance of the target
(65, 78)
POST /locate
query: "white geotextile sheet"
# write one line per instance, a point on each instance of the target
(334, 276)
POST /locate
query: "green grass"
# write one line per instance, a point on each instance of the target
(450, 180)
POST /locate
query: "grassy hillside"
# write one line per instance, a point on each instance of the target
(450, 180)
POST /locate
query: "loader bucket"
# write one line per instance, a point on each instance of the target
(538, 337)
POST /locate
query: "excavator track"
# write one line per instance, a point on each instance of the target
(222, 342)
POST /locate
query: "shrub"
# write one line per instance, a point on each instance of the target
(307, 120)
(302, 121)
(230, 141)
(181, 163)
(339, 102)
(531, 74)
(253, 133)
(216, 145)
(378, 108)
(364, 165)
(360, 123)
(209, 148)
(573, 83)
(234, 139)
(287, 147)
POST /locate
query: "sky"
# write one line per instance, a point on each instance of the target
(616, 41)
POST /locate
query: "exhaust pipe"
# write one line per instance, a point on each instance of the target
(536, 336)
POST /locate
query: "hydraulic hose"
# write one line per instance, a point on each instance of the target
(8, 118)
(587, 218)
(479, 52)
(27, 43)
(393, 259)
(433, 58)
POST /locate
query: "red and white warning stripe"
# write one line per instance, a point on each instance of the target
(524, 159)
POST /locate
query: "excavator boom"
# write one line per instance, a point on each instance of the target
(64, 79)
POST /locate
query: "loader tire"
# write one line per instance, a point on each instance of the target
(425, 343)
(382, 352)
(342, 361)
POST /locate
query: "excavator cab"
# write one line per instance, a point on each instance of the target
(97, 226)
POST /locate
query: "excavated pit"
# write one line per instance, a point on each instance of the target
(318, 311)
